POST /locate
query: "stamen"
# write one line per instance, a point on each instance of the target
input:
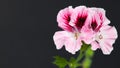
(100, 37)
(76, 35)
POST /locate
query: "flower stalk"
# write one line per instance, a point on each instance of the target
(84, 58)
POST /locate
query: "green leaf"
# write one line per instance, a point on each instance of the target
(87, 63)
(72, 60)
(89, 53)
(60, 61)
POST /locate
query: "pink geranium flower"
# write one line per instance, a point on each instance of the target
(97, 19)
(89, 25)
(72, 36)
(104, 39)
(81, 19)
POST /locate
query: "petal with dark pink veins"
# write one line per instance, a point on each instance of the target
(64, 17)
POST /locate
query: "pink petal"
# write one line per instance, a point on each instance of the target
(106, 48)
(59, 39)
(78, 44)
(96, 22)
(79, 17)
(109, 32)
(64, 17)
(109, 35)
(70, 46)
(94, 45)
(68, 40)
(101, 12)
(73, 45)
(88, 37)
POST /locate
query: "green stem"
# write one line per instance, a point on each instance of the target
(71, 65)
(86, 54)
(88, 58)
(80, 56)
(82, 52)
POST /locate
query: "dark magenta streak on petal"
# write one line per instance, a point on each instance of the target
(101, 16)
(94, 25)
(67, 18)
(97, 42)
(80, 21)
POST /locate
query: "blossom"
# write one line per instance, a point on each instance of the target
(81, 18)
(71, 38)
(104, 39)
(96, 20)
(103, 35)
(86, 24)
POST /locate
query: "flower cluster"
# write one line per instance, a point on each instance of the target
(87, 24)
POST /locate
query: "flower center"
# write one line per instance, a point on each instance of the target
(100, 36)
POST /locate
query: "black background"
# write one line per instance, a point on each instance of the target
(27, 28)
